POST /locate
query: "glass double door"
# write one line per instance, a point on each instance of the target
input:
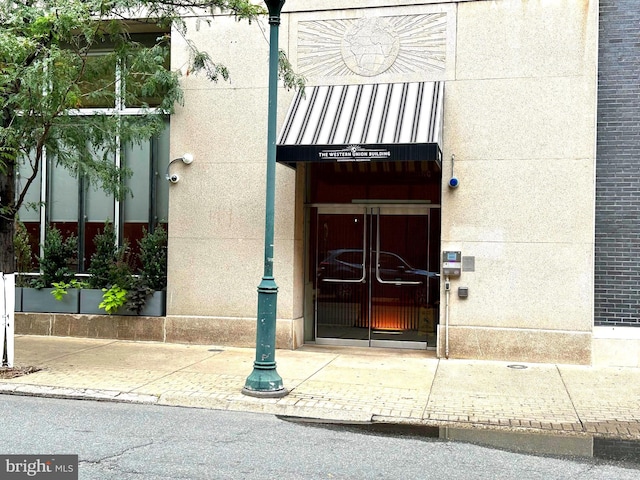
(374, 285)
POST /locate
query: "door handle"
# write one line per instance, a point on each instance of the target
(392, 282)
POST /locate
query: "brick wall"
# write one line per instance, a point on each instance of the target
(617, 262)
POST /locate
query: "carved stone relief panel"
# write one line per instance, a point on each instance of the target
(371, 46)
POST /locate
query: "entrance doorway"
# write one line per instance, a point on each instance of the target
(376, 281)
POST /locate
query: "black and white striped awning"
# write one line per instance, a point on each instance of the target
(378, 122)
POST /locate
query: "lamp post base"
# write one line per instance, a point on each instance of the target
(262, 394)
(264, 382)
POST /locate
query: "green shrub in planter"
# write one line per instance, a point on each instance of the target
(113, 299)
(152, 275)
(60, 289)
(111, 273)
(153, 258)
(109, 265)
(51, 292)
(110, 269)
(137, 295)
(58, 256)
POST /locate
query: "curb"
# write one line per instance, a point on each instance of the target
(243, 403)
(346, 415)
(76, 393)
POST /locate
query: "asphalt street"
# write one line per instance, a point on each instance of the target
(143, 442)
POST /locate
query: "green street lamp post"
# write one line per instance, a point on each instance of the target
(264, 381)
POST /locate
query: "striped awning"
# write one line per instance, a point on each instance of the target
(378, 122)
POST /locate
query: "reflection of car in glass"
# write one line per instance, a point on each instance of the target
(341, 271)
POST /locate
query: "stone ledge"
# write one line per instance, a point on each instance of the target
(235, 332)
(226, 331)
(516, 345)
(91, 326)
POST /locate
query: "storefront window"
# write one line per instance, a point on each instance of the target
(68, 201)
(147, 206)
(62, 199)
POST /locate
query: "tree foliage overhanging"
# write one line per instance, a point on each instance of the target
(59, 56)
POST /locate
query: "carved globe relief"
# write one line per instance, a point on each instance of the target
(370, 46)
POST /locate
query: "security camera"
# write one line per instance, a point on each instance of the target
(187, 158)
(454, 182)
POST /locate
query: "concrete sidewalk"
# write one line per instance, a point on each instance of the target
(341, 384)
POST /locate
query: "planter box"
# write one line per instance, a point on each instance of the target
(41, 300)
(91, 298)
(156, 305)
